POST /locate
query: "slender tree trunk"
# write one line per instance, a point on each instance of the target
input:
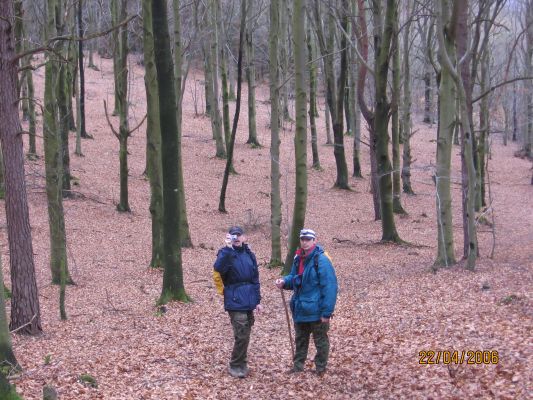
(53, 150)
(355, 112)
(229, 161)
(284, 58)
(335, 90)
(311, 54)
(484, 129)
(121, 96)
(224, 78)
(457, 26)
(275, 195)
(25, 313)
(153, 138)
(300, 137)
(406, 108)
(173, 288)
(446, 128)
(212, 51)
(382, 44)
(367, 114)
(528, 137)
(327, 119)
(395, 121)
(250, 78)
(81, 73)
(185, 234)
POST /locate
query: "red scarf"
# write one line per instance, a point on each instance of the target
(300, 252)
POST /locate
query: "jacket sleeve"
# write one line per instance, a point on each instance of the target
(255, 278)
(219, 283)
(221, 263)
(289, 279)
(328, 286)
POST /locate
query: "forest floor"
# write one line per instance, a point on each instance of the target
(391, 305)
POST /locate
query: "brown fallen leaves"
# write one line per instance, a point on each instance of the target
(390, 306)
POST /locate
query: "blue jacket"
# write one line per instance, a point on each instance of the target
(238, 268)
(315, 291)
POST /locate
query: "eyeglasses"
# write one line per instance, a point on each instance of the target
(306, 239)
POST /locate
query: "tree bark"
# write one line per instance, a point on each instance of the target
(153, 138)
(311, 54)
(185, 234)
(300, 137)
(275, 195)
(406, 108)
(250, 78)
(395, 121)
(173, 288)
(25, 313)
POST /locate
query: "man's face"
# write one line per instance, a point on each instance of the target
(238, 239)
(306, 243)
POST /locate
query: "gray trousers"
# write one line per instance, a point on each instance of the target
(242, 322)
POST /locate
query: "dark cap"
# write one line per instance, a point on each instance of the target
(235, 230)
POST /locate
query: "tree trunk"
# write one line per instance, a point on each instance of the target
(53, 150)
(311, 54)
(284, 58)
(406, 108)
(446, 128)
(335, 90)
(275, 195)
(212, 59)
(185, 234)
(300, 137)
(355, 113)
(382, 44)
(229, 161)
(528, 137)
(395, 125)
(153, 138)
(173, 288)
(121, 96)
(25, 312)
(484, 129)
(457, 25)
(81, 73)
(224, 78)
(250, 78)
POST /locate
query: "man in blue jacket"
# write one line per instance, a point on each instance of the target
(239, 274)
(313, 281)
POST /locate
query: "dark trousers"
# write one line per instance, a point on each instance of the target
(320, 337)
(242, 322)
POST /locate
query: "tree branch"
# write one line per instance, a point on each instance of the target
(109, 121)
(49, 42)
(493, 88)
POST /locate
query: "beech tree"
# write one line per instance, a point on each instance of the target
(173, 287)
(300, 137)
(275, 194)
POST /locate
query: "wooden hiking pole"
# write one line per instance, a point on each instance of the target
(288, 320)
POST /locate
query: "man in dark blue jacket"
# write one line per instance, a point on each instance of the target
(239, 273)
(313, 280)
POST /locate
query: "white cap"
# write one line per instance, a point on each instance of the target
(309, 233)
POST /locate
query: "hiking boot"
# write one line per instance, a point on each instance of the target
(236, 372)
(295, 370)
(320, 372)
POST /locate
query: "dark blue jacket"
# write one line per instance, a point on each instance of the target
(315, 291)
(238, 269)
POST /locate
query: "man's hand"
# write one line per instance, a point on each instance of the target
(324, 320)
(280, 283)
(258, 309)
(227, 241)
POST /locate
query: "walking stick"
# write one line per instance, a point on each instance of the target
(288, 321)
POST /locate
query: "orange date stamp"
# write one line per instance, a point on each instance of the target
(469, 357)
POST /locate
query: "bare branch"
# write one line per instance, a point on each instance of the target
(109, 121)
